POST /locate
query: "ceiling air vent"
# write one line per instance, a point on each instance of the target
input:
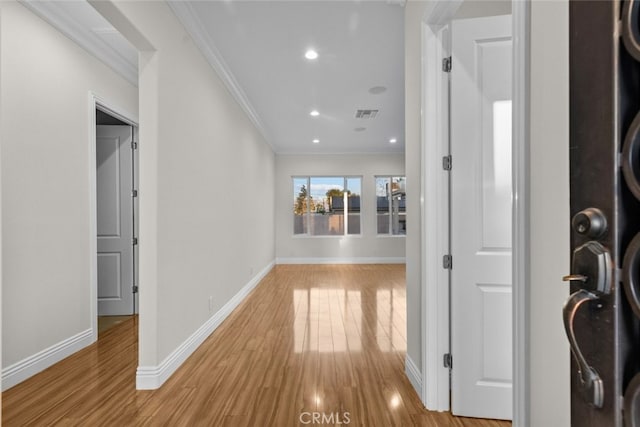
(366, 114)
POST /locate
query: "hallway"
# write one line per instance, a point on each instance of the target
(310, 339)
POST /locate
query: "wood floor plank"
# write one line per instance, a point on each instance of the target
(309, 341)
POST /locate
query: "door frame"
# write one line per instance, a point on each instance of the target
(435, 213)
(96, 102)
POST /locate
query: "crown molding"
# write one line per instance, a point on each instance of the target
(87, 39)
(197, 30)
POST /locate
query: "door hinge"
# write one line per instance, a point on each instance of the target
(134, 145)
(446, 162)
(447, 360)
(447, 262)
(135, 289)
(134, 193)
(134, 241)
(446, 64)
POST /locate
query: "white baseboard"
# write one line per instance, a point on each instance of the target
(342, 260)
(414, 375)
(20, 371)
(152, 377)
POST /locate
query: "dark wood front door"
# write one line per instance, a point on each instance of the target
(602, 314)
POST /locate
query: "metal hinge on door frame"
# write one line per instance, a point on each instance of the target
(446, 64)
(134, 145)
(447, 262)
(446, 162)
(447, 360)
(134, 193)
(134, 241)
(135, 289)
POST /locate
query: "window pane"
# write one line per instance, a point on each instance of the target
(354, 191)
(382, 204)
(398, 206)
(300, 205)
(327, 206)
(391, 205)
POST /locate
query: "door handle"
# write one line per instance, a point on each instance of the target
(592, 272)
(591, 384)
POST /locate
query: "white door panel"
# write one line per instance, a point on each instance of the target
(481, 217)
(115, 219)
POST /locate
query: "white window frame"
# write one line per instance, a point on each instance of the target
(345, 212)
(389, 232)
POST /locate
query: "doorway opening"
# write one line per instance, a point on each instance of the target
(502, 294)
(115, 219)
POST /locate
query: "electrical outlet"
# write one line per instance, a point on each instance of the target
(210, 303)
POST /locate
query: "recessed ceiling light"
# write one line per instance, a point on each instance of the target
(316, 141)
(376, 90)
(311, 54)
(359, 129)
(393, 140)
(314, 113)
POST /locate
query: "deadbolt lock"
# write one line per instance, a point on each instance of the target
(590, 222)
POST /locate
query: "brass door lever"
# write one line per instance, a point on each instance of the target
(575, 277)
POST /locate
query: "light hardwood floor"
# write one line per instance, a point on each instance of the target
(327, 339)
(107, 322)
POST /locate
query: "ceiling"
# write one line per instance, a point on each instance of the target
(258, 48)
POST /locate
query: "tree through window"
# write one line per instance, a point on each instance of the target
(326, 206)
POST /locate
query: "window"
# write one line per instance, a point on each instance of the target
(326, 206)
(391, 205)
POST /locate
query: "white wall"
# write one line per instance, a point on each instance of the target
(45, 81)
(367, 247)
(414, 11)
(1, 274)
(477, 9)
(206, 187)
(549, 213)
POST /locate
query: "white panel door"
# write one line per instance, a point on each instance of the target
(114, 162)
(481, 377)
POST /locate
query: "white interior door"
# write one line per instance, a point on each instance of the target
(481, 313)
(114, 162)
